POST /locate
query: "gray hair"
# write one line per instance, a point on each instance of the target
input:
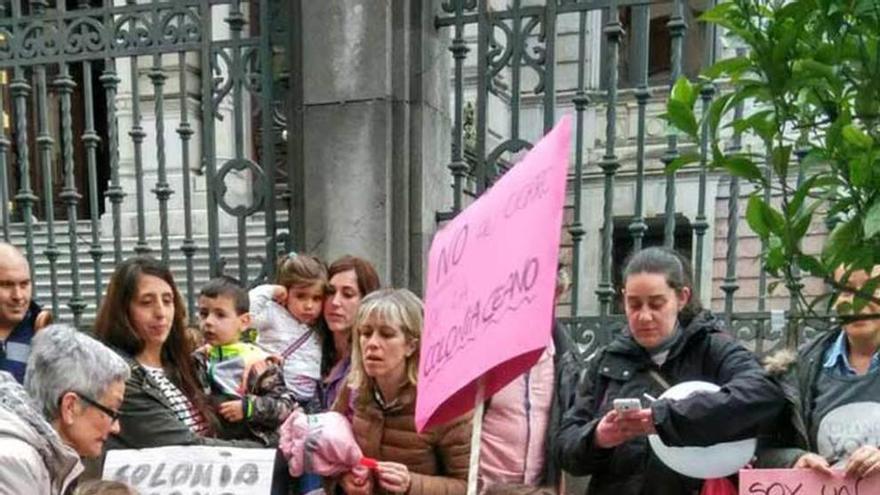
(64, 359)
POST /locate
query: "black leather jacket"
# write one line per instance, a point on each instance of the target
(748, 397)
(148, 420)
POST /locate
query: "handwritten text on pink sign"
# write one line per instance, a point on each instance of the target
(491, 276)
(803, 482)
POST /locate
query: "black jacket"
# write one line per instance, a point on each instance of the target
(797, 376)
(147, 419)
(747, 398)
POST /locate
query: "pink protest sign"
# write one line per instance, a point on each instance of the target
(803, 482)
(491, 279)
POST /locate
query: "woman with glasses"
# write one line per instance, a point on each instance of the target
(75, 387)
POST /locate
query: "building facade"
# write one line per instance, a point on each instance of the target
(216, 134)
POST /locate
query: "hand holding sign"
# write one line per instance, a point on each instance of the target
(804, 482)
(864, 462)
(815, 462)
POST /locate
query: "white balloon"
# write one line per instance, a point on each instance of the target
(716, 461)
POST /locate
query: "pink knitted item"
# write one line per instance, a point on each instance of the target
(322, 444)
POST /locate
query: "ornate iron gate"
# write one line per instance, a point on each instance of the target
(530, 60)
(109, 98)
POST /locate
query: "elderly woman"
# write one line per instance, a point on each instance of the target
(380, 399)
(350, 280)
(833, 391)
(143, 318)
(75, 386)
(668, 340)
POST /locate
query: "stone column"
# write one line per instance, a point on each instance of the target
(375, 133)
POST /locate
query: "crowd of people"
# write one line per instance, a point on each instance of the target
(329, 338)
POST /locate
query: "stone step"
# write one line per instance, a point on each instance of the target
(228, 251)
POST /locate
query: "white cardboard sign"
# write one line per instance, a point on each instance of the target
(193, 470)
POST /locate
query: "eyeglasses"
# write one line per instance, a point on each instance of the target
(113, 415)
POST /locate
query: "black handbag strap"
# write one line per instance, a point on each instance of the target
(658, 378)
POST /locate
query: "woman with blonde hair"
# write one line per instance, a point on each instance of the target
(380, 400)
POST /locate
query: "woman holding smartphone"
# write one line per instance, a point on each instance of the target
(669, 339)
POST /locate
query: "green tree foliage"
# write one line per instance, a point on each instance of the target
(812, 74)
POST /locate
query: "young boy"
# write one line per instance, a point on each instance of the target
(244, 382)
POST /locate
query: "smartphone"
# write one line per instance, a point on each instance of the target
(626, 405)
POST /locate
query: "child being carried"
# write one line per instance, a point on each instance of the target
(285, 315)
(245, 382)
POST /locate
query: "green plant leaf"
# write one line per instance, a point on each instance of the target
(755, 218)
(813, 159)
(857, 138)
(762, 123)
(741, 166)
(720, 13)
(799, 227)
(811, 265)
(800, 194)
(775, 258)
(681, 161)
(716, 111)
(773, 218)
(731, 67)
(685, 92)
(811, 68)
(860, 170)
(867, 103)
(845, 237)
(681, 117)
(863, 297)
(763, 218)
(780, 158)
(872, 220)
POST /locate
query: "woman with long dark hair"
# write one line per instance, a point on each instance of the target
(350, 280)
(669, 339)
(143, 318)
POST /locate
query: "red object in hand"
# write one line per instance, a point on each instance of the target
(369, 463)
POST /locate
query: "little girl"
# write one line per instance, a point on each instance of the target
(285, 315)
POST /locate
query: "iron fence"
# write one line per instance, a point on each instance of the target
(518, 64)
(105, 97)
